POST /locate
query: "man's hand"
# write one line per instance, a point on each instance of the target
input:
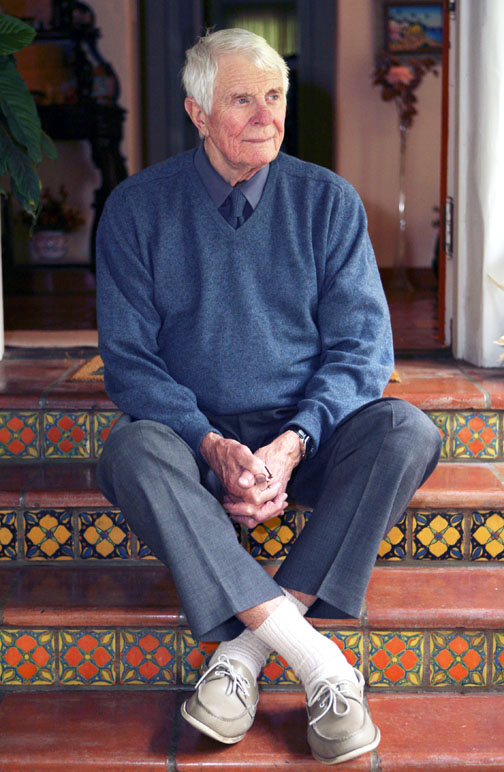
(280, 457)
(243, 474)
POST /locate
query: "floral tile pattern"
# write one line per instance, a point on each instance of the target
(87, 658)
(193, 654)
(19, 434)
(487, 535)
(144, 551)
(8, 535)
(277, 672)
(104, 535)
(27, 657)
(48, 535)
(272, 540)
(103, 423)
(395, 659)
(394, 545)
(458, 659)
(349, 642)
(438, 535)
(66, 435)
(443, 422)
(498, 659)
(148, 657)
(475, 435)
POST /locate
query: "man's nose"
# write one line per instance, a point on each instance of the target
(262, 115)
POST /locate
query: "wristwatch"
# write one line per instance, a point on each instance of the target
(305, 441)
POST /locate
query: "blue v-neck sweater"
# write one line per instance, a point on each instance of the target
(195, 317)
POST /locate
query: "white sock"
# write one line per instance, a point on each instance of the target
(248, 649)
(311, 655)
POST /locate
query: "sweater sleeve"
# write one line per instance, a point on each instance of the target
(354, 326)
(136, 377)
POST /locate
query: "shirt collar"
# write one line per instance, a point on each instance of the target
(218, 189)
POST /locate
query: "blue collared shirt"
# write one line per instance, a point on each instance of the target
(218, 189)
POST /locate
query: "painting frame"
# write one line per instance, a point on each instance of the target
(412, 28)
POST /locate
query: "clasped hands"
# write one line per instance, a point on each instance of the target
(255, 483)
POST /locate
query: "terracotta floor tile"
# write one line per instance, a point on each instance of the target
(114, 596)
(61, 484)
(23, 381)
(492, 380)
(83, 731)
(276, 741)
(441, 393)
(462, 485)
(440, 733)
(427, 368)
(470, 597)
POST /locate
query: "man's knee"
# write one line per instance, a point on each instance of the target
(414, 431)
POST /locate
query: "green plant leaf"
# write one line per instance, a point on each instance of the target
(25, 184)
(14, 34)
(18, 106)
(48, 146)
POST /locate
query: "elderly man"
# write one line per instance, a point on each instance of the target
(246, 337)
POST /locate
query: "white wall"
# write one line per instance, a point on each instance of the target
(368, 141)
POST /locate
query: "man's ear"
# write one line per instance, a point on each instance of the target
(197, 115)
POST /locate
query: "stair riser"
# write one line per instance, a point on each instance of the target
(89, 535)
(391, 660)
(56, 434)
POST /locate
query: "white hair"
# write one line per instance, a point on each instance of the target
(201, 65)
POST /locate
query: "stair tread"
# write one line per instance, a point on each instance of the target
(73, 484)
(79, 731)
(397, 597)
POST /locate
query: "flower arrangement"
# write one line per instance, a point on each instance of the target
(400, 81)
(55, 215)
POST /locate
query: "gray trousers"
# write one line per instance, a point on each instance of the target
(360, 483)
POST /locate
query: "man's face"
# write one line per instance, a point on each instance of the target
(245, 128)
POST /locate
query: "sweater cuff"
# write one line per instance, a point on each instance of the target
(193, 434)
(310, 425)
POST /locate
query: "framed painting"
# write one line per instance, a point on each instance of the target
(413, 28)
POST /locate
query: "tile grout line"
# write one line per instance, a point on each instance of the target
(488, 399)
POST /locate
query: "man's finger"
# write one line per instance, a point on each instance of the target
(247, 479)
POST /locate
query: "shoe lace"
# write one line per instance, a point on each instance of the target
(236, 681)
(327, 694)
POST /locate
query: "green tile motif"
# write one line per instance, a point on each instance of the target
(103, 423)
(27, 657)
(487, 535)
(394, 545)
(443, 422)
(498, 659)
(273, 539)
(19, 434)
(87, 657)
(67, 435)
(475, 435)
(48, 535)
(148, 657)
(104, 535)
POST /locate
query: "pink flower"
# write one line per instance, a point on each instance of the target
(399, 75)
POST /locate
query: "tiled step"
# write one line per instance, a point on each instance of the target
(44, 414)
(55, 512)
(66, 626)
(143, 731)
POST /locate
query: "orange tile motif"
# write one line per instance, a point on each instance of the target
(458, 659)
(66, 435)
(395, 659)
(193, 655)
(19, 434)
(48, 535)
(87, 658)
(148, 657)
(27, 657)
(8, 535)
(475, 435)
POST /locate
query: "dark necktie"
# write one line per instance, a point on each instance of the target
(237, 201)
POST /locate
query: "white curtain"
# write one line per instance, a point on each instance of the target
(479, 247)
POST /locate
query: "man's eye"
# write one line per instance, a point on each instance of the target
(242, 100)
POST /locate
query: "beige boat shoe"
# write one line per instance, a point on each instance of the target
(225, 701)
(339, 724)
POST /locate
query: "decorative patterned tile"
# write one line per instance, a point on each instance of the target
(19, 434)
(273, 539)
(487, 535)
(438, 535)
(193, 654)
(475, 435)
(66, 435)
(87, 658)
(443, 423)
(498, 659)
(103, 423)
(27, 657)
(393, 546)
(104, 535)
(395, 659)
(277, 672)
(48, 535)
(349, 642)
(144, 552)
(458, 659)
(8, 535)
(148, 657)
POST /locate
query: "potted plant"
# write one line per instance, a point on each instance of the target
(22, 141)
(55, 220)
